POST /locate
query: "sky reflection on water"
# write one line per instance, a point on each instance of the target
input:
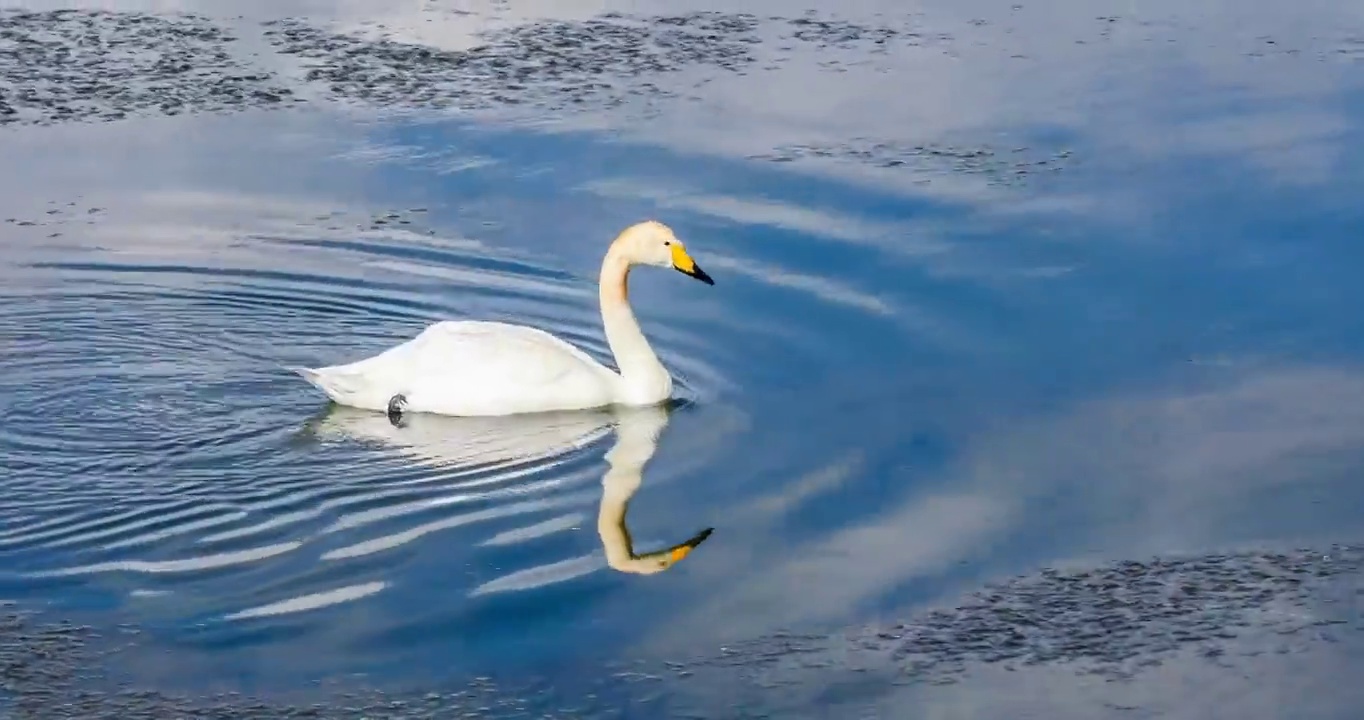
(920, 368)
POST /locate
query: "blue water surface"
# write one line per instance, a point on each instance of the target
(915, 373)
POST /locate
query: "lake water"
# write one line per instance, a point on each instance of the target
(1000, 287)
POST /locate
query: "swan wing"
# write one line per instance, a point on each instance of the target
(474, 368)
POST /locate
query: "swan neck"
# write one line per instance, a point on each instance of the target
(644, 379)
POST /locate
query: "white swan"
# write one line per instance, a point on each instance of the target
(477, 368)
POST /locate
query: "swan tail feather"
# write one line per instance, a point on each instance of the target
(338, 386)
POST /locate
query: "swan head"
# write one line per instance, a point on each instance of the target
(653, 243)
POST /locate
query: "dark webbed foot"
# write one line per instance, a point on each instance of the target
(396, 405)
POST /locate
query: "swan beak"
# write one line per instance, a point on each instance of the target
(683, 263)
(684, 549)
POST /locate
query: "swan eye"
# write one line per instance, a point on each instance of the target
(667, 243)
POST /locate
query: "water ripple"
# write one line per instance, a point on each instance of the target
(202, 562)
(312, 601)
(153, 432)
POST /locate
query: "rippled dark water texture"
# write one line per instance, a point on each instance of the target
(1030, 385)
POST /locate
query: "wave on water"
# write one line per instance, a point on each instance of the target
(155, 446)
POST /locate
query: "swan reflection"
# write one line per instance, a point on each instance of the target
(539, 440)
(637, 433)
(453, 442)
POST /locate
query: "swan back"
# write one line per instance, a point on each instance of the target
(474, 368)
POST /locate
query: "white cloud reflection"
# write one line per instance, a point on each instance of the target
(1169, 470)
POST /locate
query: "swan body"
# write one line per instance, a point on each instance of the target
(479, 368)
(473, 368)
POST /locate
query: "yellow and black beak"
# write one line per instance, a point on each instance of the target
(683, 263)
(679, 551)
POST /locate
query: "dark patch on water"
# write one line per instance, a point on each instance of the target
(409, 220)
(50, 671)
(843, 34)
(565, 65)
(550, 64)
(59, 214)
(1118, 617)
(1113, 620)
(560, 67)
(57, 217)
(89, 65)
(92, 65)
(1003, 166)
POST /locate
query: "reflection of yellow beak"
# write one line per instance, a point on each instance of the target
(684, 549)
(683, 263)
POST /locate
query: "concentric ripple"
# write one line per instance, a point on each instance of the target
(157, 449)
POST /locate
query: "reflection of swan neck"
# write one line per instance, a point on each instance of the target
(615, 536)
(644, 377)
(636, 441)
